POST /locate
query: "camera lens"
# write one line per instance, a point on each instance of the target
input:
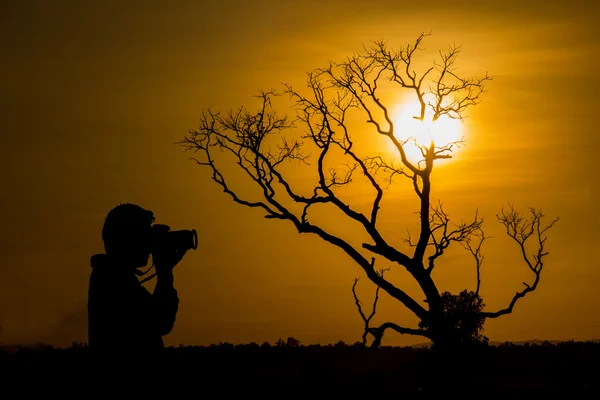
(194, 239)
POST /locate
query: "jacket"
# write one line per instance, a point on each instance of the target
(122, 314)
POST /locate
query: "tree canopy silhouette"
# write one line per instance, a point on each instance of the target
(258, 143)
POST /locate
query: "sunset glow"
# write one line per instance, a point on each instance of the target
(442, 132)
(98, 93)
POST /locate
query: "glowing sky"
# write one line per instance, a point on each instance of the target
(95, 93)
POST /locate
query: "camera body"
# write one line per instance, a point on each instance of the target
(166, 240)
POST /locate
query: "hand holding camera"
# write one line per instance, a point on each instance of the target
(169, 247)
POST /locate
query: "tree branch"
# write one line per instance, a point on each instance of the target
(321, 117)
(442, 235)
(377, 332)
(520, 229)
(380, 330)
(475, 250)
(366, 319)
(465, 92)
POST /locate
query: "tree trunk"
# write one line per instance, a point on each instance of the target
(444, 337)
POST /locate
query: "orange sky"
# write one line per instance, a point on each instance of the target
(95, 94)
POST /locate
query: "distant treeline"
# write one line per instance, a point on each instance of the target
(287, 369)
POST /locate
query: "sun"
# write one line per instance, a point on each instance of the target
(419, 133)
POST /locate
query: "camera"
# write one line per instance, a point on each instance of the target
(164, 239)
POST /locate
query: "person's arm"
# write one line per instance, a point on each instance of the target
(165, 301)
(165, 298)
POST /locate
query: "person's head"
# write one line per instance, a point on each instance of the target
(127, 234)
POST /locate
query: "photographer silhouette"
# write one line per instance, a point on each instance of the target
(123, 316)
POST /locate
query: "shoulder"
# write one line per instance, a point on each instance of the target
(109, 281)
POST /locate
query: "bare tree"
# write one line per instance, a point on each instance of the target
(354, 87)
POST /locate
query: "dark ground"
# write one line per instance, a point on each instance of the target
(295, 371)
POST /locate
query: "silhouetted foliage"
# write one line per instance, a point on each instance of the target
(463, 313)
(261, 145)
(508, 369)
